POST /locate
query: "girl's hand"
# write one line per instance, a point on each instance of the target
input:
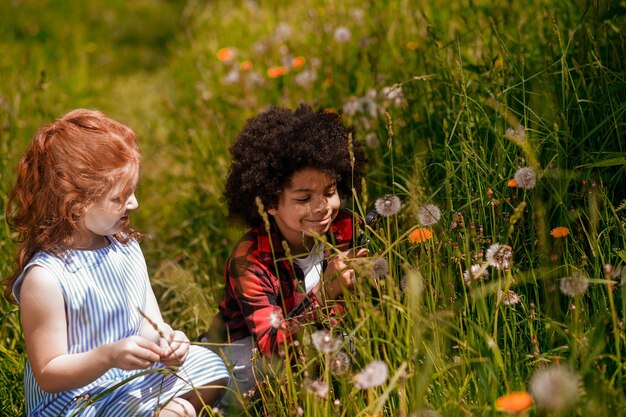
(134, 352)
(340, 273)
(175, 347)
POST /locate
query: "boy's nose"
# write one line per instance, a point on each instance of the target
(322, 205)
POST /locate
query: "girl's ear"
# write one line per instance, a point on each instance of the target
(272, 212)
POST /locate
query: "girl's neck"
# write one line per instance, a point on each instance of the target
(89, 241)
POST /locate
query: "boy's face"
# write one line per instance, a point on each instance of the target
(306, 206)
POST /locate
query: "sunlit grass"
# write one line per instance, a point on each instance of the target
(451, 101)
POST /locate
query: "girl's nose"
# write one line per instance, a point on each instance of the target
(132, 202)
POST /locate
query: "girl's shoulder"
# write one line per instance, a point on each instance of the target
(51, 263)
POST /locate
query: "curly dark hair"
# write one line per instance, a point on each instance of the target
(276, 144)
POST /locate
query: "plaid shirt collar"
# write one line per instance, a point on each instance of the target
(270, 247)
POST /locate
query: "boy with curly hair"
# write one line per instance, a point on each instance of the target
(295, 165)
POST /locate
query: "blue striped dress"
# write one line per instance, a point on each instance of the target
(103, 290)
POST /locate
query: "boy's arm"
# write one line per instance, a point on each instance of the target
(45, 333)
(258, 302)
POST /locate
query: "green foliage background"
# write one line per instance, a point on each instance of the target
(467, 71)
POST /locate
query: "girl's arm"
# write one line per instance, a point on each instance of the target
(45, 333)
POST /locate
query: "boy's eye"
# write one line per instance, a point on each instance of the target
(302, 200)
(116, 200)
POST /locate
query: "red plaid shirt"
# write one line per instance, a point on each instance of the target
(261, 281)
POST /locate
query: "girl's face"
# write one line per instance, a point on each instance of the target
(307, 206)
(107, 216)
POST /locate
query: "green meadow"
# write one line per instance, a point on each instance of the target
(499, 127)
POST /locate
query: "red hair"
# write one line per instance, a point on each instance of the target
(68, 165)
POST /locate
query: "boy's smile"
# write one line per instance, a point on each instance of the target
(307, 206)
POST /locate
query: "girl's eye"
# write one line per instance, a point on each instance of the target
(331, 193)
(116, 200)
(302, 200)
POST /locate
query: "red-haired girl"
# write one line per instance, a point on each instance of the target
(95, 339)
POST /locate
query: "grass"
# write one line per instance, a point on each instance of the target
(434, 91)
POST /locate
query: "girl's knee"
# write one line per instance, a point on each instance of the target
(178, 407)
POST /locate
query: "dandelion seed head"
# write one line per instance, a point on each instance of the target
(429, 214)
(282, 32)
(324, 342)
(372, 375)
(275, 319)
(500, 256)
(357, 14)
(372, 141)
(475, 273)
(518, 134)
(380, 268)
(232, 77)
(342, 34)
(305, 78)
(388, 205)
(316, 387)
(508, 298)
(554, 388)
(612, 272)
(574, 285)
(526, 178)
(340, 363)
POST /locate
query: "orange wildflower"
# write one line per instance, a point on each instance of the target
(245, 65)
(560, 232)
(298, 62)
(275, 72)
(420, 235)
(412, 45)
(489, 192)
(225, 55)
(512, 183)
(515, 402)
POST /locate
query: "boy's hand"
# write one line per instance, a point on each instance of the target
(340, 272)
(175, 348)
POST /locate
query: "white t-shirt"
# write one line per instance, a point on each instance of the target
(311, 265)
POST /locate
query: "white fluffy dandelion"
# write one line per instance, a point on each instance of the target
(379, 268)
(554, 388)
(499, 256)
(475, 273)
(574, 285)
(342, 34)
(508, 298)
(372, 141)
(429, 214)
(526, 178)
(275, 319)
(340, 363)
(372, 375)
(519, 133)
(388, 205)
(325, 342)
(305, 78)
(316, 387)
